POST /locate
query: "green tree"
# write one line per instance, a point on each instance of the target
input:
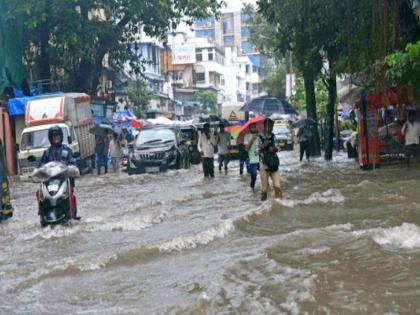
(69, 39)
(404, 66)
(208, 101)
(139, 94)
(275, 82)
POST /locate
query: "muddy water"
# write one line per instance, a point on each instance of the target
(343, 241)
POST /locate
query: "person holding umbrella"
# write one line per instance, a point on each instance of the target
(269, 161)
(250, 143)
(206, 144)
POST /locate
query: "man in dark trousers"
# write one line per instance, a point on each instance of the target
(101, 149)
(206, 144)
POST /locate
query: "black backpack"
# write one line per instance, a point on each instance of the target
(270, 159)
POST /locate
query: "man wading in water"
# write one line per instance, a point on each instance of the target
(269, 161)
(206, 145)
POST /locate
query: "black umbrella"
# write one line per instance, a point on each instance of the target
(268, 105)
(303, 123)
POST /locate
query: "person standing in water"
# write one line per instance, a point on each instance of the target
(250, 142)
(206, 144)
(269, 161)
(223, 142)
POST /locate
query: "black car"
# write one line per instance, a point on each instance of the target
(157, 149)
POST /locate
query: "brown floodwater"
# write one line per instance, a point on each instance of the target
(343, 241)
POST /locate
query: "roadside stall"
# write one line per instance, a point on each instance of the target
(381, 117)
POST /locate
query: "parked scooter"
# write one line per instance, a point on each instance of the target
(56, 200)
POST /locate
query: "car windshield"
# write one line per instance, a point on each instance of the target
(188, 134)
(155, 135)
(39, 139)
(281, 129)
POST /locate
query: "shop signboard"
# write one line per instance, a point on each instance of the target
(183, 54)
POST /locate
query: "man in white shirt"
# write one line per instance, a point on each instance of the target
(206, 144)
(411, 130)
(223, 142)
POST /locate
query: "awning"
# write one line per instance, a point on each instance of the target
(254, 60)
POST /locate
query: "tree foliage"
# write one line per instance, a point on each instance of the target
(404, 66)
(208, 101)
(275, 82)
(139, 94)
(68, 39)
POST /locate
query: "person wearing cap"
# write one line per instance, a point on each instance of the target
(269, 163)
(223, 142)
(206, 144)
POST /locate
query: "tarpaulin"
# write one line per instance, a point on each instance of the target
(254, 61)
(123, 116)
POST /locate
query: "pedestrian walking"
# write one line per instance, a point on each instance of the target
(115, 152)
(304, 135)
(411, 131)
(243, 159)
(223, 142)
(269, 161)
(101, 150)
(206, 144)
(250, 142)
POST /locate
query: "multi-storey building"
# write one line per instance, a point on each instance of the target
(195, 64)
(243, 74)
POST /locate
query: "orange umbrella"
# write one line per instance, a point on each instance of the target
(259, 121)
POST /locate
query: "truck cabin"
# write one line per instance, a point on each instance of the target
(36, 138)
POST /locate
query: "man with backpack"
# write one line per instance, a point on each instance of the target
(269, 161)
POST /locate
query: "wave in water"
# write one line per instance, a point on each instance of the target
(405, 236)
(329, 196)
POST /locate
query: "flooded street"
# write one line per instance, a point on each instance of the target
(343, 241)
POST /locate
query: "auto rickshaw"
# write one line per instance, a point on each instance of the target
(190, 134)
(6, 209)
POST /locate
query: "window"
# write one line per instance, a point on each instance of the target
(178, 75)
(248, 85)
(245, 32)
(246, 47)
(154, 55)
(199, 54)
(228, 23)
(219, 58)
(255, 88)
(205, 33)
(222, 81)
(228, 40)
(245, 17)
(203, 23)
(200, 76)
(254, 69)
(210, 53)
(247, 68)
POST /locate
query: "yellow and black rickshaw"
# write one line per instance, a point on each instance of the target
(190, 135)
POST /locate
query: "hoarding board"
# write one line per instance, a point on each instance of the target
(183, 54)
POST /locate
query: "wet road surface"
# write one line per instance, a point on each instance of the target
(343, 241)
